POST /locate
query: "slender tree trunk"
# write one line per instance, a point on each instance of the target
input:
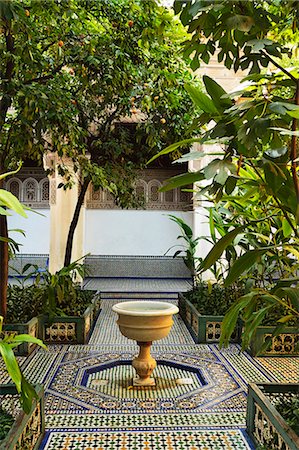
(294, 152)
(3, 263)
(74, 223)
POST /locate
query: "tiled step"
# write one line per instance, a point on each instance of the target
(139, 295)
(138, 285)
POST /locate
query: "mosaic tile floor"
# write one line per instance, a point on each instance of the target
(91, 403)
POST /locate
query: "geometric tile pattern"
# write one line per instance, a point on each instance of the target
(91, 404)
(218, 387)
(109, 333)
(146, 440)
(284, 370)
(138, 285)
(136, 421)
(116, 382)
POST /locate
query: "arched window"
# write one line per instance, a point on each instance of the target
(154, 196)
(30, 190)
(14, 186)
(141, 190)
(44, 190)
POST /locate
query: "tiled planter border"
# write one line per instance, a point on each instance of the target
(282, 345)
(28, 429)
(264, 423)
(203, 328)
(70, 329)
(31, 327)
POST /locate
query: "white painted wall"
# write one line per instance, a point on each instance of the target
(36, 228)
(115, 232)
(121, 232)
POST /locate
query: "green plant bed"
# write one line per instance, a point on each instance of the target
(24, 304)
(265, 424)
(27, 430)
(285, 344)
(203, 328)
(70, 329)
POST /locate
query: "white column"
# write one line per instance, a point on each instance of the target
(62, 207)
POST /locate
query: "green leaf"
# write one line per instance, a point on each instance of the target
(286, 228)
(28, 394)
(182, 180)
(285, 131)
(173, 147)
(201, 100)
(286, 319)
(13, 172)
(192, 156)
(20, 338)
(10, 201)
(294, 114)
(291, 293)
(219, 248)
(11, 364)
(230, 319)
(243, 264)
(292, 250)
(216, 92)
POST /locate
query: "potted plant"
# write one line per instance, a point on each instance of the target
(24, 304)
(68, 312)
(203, 309)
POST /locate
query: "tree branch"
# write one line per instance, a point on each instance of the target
(288, 74)
(46, 77)
(294, 148)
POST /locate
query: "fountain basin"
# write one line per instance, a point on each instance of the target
(145, 321)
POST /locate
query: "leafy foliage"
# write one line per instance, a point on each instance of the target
(26, 302)
(7, 343)
(238, 32)
(214, 299)
(258, 128)
(23, 303)
(6, 421)
(288, 408)
(189, 248)
(58, 294)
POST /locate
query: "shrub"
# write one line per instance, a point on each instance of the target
(30, 301)
(214, 299)
(23, 303)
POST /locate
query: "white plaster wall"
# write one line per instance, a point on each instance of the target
(129, 232)
(36, 228)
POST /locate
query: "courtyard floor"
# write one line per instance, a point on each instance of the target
(91, 404)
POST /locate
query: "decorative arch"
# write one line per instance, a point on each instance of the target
(14, 185)
(30, 190)
(141, 190)
(154, 196)
(44, 190)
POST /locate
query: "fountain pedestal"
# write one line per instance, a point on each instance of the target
(144, 364)
(144, 322)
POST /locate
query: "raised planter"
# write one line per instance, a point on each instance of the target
(31, 328)
(203, 328)
(70, 329)
(285, 344)
(265, 425)
(28, 429)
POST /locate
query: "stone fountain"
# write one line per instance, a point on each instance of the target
(145, 322)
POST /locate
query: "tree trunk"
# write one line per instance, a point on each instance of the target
(3, 263)
(294, 153)
(74, 223)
